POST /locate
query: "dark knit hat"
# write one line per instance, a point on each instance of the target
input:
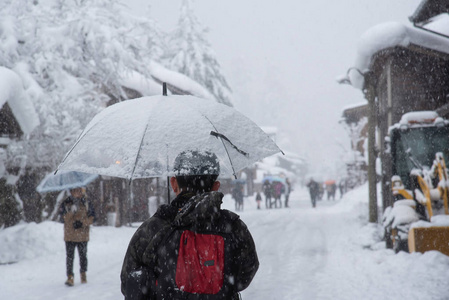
(196, 162)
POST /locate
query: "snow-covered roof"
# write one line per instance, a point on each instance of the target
(11, 91)
(394, 34)
(144, 85)
(159, 74)
(355, 105)
(270, 165)
(293, 157)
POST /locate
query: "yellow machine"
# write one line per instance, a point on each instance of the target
(419, 186)
(430, 195)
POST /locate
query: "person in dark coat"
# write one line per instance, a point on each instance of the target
(331, 188)
(314, 190)
(288, 190)
(341, 187)
(276, 187)
(267, 192)
(77, 214)
(258, 199)
(237, 194)
(197, 205)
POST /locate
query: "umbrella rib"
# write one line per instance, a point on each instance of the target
(138, 152)
(224, 145)
(216, 134)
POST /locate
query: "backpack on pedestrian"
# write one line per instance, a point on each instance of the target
(191, 259)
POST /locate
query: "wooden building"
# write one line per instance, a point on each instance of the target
(407, 69)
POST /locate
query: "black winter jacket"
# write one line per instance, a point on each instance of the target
(201, 213)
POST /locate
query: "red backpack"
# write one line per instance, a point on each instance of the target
(194, 265)
(200, 265)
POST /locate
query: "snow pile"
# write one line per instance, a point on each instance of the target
(30, 240)
(418, 117)
(435, 221)
(403, 212)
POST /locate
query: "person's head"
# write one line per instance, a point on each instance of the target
(195, 171)
(76, 192)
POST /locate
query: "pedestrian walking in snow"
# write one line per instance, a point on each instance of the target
(190, 248)
(341, 187)
(314, 190)
(77, 214)
(277, 192)
(258, 199)
(287, 191)
(237, 194)
(331, 188)
(267, 192)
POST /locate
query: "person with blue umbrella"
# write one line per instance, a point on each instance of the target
(77, 214)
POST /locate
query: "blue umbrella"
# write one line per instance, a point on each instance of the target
(239, 181)
(271, 178)
(65, 180)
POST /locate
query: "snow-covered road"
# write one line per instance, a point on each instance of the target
(292, 247)
(329, 252)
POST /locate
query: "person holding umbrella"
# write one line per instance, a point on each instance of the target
(77, 214)
(190, 248)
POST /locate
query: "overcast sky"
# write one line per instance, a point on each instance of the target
(281, 59)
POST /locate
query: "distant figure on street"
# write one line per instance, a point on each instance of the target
(267, 192)
(77, 214)
(287, 191)
(331, 189)
(277, 192)
(237, 194)
(314, 190)
(341, 187)
(258, 199)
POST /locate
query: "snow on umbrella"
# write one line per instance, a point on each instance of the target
(64, 180)
(141, 138)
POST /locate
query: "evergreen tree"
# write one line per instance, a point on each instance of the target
(191, 54)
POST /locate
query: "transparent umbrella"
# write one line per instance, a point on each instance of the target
(141, 138)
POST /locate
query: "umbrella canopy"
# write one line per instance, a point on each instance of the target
(141, 138)
(64, 180)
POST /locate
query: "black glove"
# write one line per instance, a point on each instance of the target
(77, 224)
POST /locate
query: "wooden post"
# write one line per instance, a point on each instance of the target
(371, 97)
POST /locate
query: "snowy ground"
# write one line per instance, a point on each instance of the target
(329, 252)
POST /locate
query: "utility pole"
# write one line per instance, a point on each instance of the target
(372, 176)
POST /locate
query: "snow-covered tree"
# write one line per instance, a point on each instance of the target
(191, 54)
(71, 56)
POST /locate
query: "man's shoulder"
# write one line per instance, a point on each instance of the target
(230, 222)
(229, 215)
(163, 216)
